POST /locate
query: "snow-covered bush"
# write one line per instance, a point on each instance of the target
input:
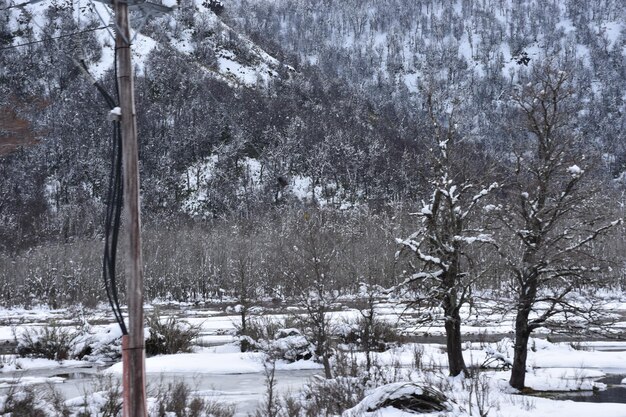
(498, 355)
(277, 339)
(169, 336)
(56, 342)
(280, 343)
(257, 332)
(23, 402)
(100, 345)
(52, 342)
(372, 335)
(248, 344)
(291, 345)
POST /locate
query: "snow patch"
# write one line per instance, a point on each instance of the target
(575, 171)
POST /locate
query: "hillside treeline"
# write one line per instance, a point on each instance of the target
(339, 145)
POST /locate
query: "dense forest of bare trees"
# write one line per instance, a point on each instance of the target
(377, 110)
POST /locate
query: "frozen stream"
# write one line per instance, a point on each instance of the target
(244, 390)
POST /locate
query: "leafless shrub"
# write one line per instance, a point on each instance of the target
(382, 374)
(346, 364)
(176, 399)
(53, 341)
(55, 401)
(169, 336)
(212, 408)
(418, 356)
(22, 402)
(103, 398)
(271, 406)
(291, 406)
(478, 390)
(329, 397)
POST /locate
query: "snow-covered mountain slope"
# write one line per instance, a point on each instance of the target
(397, 51)
(401, 40)
(191, 29)
(198, 33)
(214, 93)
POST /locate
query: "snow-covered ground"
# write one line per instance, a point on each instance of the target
(237, 377)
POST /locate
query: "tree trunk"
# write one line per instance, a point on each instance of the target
(456, 362)
(326, 362)
(522, 334)
(321, 351)
(243, 319)
(527, 297)
(322, 348)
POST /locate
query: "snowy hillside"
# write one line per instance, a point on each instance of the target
(197, 32)
(403, 41)
(193, 30)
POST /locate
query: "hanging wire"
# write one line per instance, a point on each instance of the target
(112, 227)
(115, 203)
(113, 215)
(67, 35)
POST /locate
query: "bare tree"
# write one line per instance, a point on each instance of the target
(270, 407)
(312, 264)
(440, 246)
(246, 268)
(244, 274)
(549, 213)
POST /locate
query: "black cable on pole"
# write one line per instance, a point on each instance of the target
(114, 208)
(111, 228)
(117, 216)
(117, 84)
(107, 97)
(119, 187)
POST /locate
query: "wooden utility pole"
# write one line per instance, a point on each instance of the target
(134, 375)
